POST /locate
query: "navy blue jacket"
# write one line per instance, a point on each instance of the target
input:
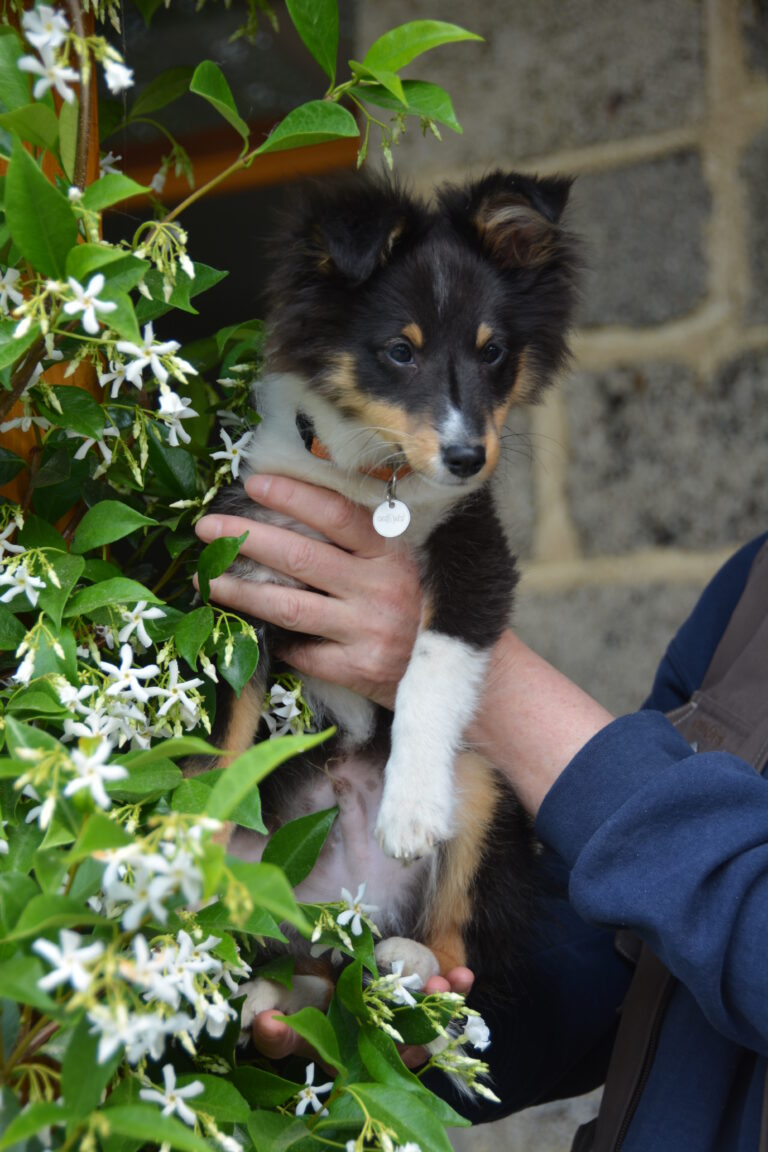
(645, 834)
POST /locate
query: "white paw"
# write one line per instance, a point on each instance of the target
(262, 995)
(414, 815)
(417, 958)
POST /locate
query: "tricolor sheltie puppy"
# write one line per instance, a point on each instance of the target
(400, 334)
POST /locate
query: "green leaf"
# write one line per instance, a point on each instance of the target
(11, 348)
(273, 1132)
(86, 259)
(349, 990)
(10, 465)
(79, 411)
(248, 770)
(37, 701)
(424, 99)
(243, 661)
(312, 123)
(168, 750)
(263, 1089)
(317, 22)
(83, 1093)
(380, 1055)
(209, 82)
(40, 218)
(159, 777)
(123, 319)
(97, 834)
(296, 846)
(388, 80)
(146, 1123)
(106, 522)
(35, 123)
(183, 290)
(12, 632)
(33, 1119)
(220, 1098)
(314, 1026)
(269, 889)
(173, 467)
(215, 558)
(116, 591)
(25, 736)
(111, 189)
(18, 980)
(404, 1112)
(193, 795)
(68, 571)
(38, 533)
(16, 890)
(398, 47)
(161, 91)
(192, 632)
(47, 912)
(14, 84)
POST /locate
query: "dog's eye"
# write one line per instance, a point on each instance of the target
(492, 353)
(401, 353)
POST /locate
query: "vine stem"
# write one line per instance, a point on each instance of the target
(84, 115)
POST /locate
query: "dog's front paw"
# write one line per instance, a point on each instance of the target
(412, 819)
(417, 959)
(262, 995)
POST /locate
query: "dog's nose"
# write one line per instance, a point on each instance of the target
(464, 460)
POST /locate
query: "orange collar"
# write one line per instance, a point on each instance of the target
(317, 448)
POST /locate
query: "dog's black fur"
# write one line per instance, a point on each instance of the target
(403, 332)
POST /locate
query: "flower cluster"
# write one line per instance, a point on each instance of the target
(47, 30)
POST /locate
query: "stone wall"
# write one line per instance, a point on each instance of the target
(647, 466)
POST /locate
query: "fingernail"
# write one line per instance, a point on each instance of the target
(209, 527)
(258, 486)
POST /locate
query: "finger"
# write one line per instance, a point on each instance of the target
(344, 523)
(274, 1038)
(461, 980)
(309, 561)
(413, 1056)
(295, 609)
(437, 984)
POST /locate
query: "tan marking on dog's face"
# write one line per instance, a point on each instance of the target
(413, 434)
(414, 333)
(484, 333)
(452, 908)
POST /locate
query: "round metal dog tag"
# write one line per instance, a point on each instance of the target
(391, 518)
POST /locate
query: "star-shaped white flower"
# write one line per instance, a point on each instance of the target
(107, 164)
(176, 693)
(147, 354)
(232, 452)
(87, 301)
(70, 962)
(135, 621)
(5, 538)
(172, 1099)
(355, 910)
(8, 290)
(174, 409)
(398, 986)
(308, 1096)
(20, 580)
(114, 376)
(477, 1033)
(117, 76)
(126, 680)
(93, 770)
(51, 75)
(44, 27)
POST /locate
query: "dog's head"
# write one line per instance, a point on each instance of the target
(425, 323)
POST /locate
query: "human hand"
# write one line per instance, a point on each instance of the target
(364, 599)
(274, 1039)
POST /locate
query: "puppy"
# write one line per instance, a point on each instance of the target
(400, 333)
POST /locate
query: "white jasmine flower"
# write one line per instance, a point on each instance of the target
(215, 1013)
(355, 910)
(175, 693)
(43, 813)
(25, 670)
(116, 1027)
(69, 961)
(92, 770)
(308, 1096)
(148, 353)
(8, 290)
(21, 580)
(22, 327)
(44, 27)
(74, 194)
(173, 410)
(27, 421)
(114, 376)
(157, 183)
(397, 986)
(117, 76)
(51, 75)
(125, 679)
(5, 538)
(187, 265)
(477, 1033)
(73, 697)
(107, 164)
(232, 452)
(147, 894)
(87, 301)
(281, 705)
(89, 441)
(135, 620)
(173, 1098)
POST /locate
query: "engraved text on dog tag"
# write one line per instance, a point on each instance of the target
(391, 518)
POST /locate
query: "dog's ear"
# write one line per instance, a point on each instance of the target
(513, 217)
(355, 225)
